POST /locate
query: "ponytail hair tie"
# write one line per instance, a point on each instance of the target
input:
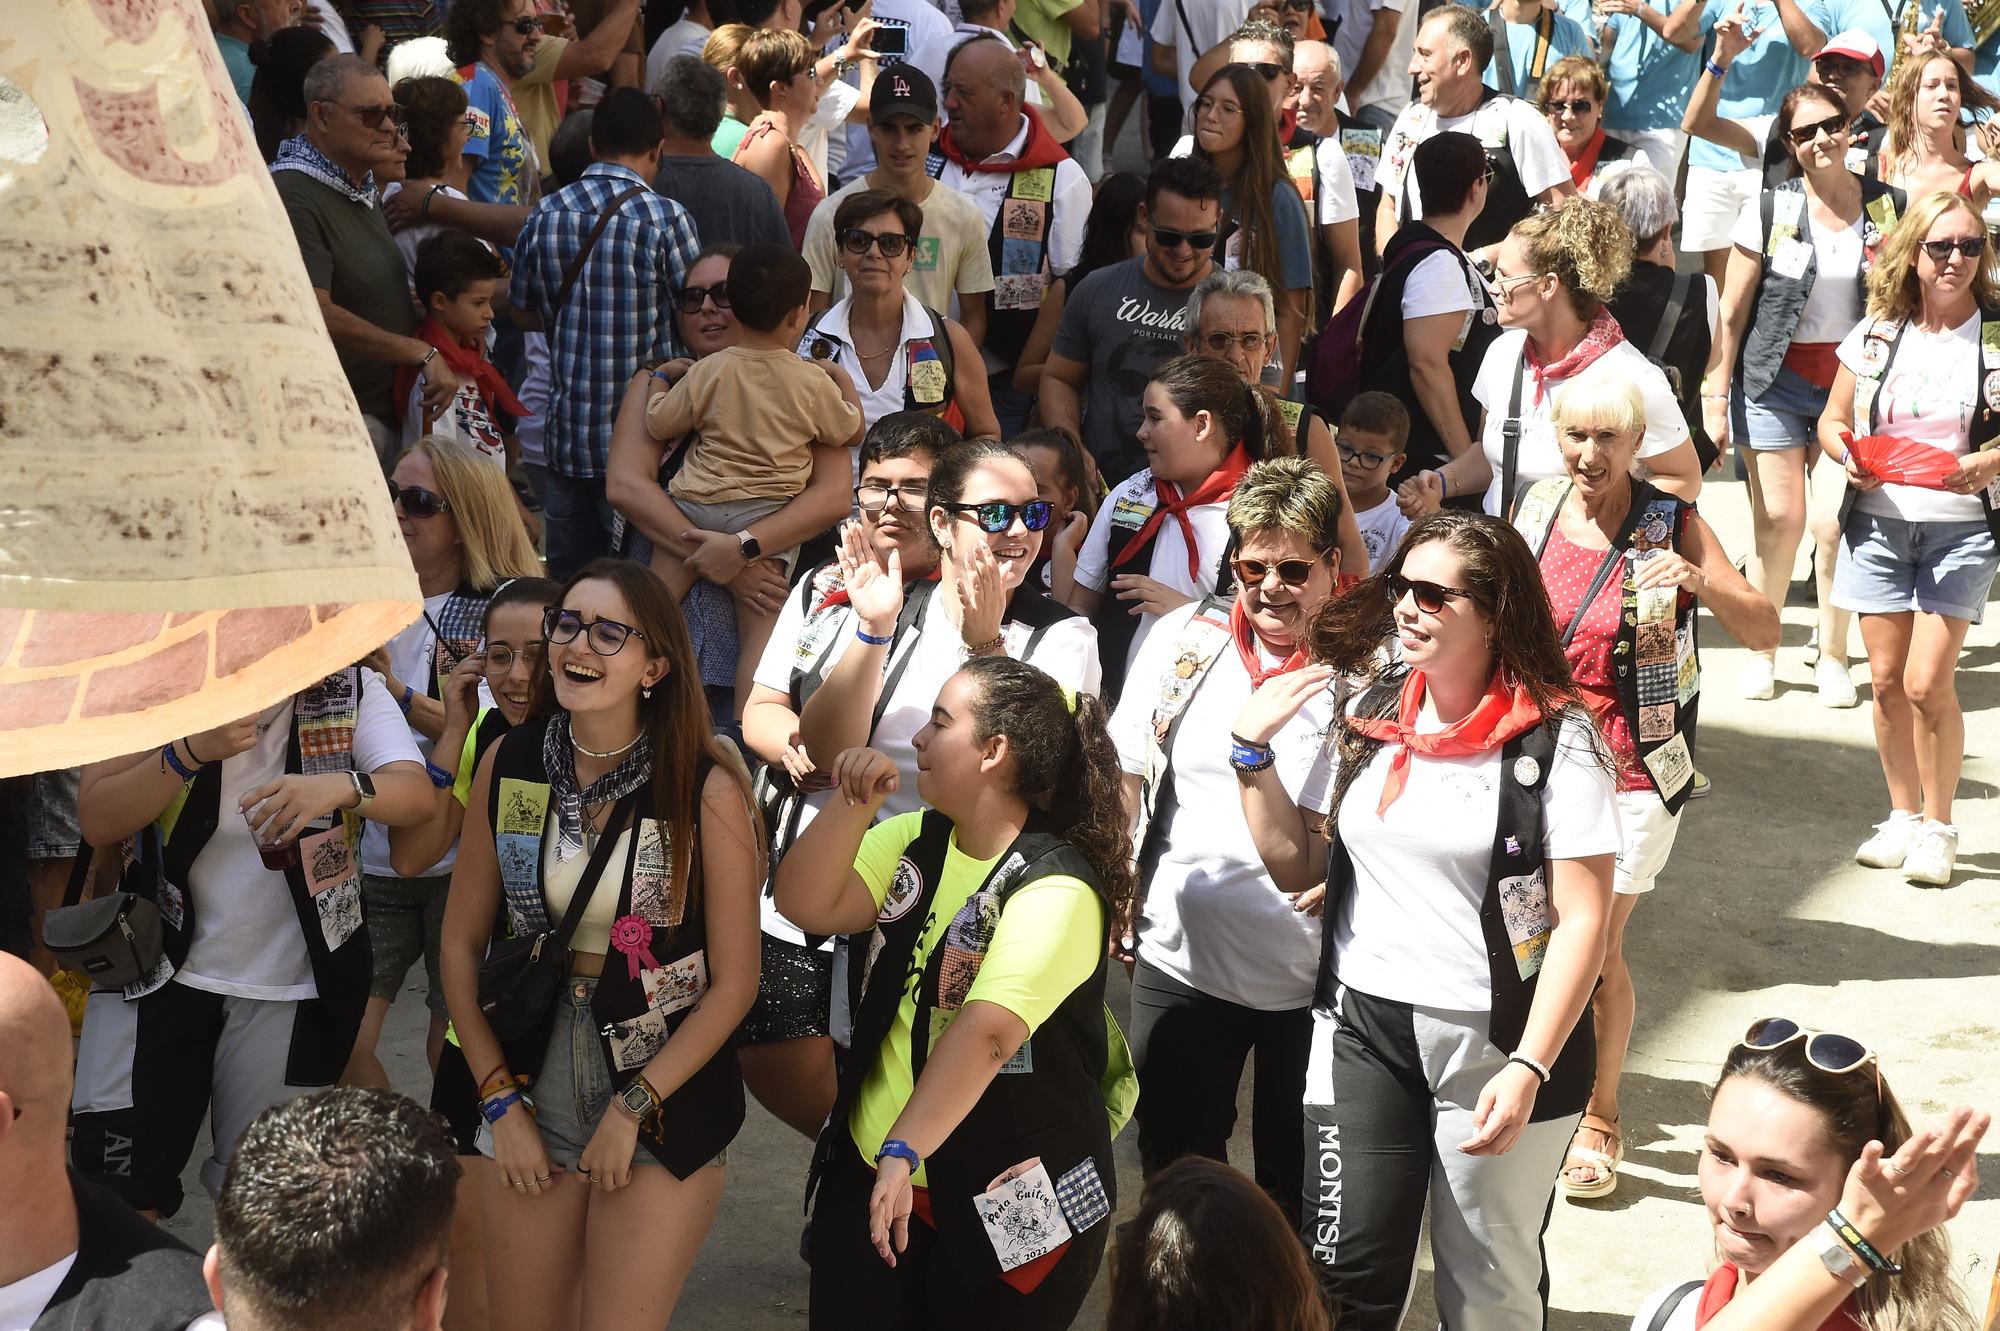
(1068, 697)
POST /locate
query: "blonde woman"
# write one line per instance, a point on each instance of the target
(456, 512)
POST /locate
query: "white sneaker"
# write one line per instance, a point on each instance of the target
(1890, 845)
(1932, 854)
(1836, 686)
(1759, 678)
(1811, 654)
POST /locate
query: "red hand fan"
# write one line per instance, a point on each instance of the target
(1903, 461)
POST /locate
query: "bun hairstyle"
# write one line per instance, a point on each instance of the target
(1244, 412)
(1586, 244)
(1064, 763)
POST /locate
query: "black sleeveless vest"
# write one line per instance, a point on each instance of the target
(1385, 360)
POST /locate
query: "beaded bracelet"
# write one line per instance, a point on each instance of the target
(439, 777)
(1851, 1236)
(871, 639)
(170, 758)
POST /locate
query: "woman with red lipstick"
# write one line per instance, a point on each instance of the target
(1473, 832)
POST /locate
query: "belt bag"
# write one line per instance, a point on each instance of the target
(111, 941)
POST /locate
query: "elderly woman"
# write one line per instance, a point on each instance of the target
(901, 354)
(1551, 277)
(1676, 312)
(1916, 562)
(1232, 317)
(1224, 960)
(1625, 564)
(1572, 97)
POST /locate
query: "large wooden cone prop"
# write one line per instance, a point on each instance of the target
(193, 524)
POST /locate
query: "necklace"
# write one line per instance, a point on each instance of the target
(876, 355)
(577, 744)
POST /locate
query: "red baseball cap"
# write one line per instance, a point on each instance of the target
(1855, 44)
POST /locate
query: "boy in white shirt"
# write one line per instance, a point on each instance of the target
(1373, 432)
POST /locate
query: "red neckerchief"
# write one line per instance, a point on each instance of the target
(1039, 150)
(1288, 125)
(1602, 335)
(1246, 649)
(1585, 165)
(1220, 485)
(469, 360)
(838, 596)
(1501, 715)
(1721, 1288)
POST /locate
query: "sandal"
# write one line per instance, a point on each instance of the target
(1602, 1166)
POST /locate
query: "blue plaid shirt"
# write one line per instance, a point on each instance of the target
(620, 314)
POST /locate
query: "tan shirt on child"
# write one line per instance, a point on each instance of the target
(756, 414)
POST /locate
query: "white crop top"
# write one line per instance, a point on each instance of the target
(593, 931)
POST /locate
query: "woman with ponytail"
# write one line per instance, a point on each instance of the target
(933, 1204)
(1161, 539)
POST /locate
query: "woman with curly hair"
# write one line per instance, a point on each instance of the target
(1572, 97)
(1551, 277)
(965, 1174)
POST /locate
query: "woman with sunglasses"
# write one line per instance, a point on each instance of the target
(1794, 288)
(1264, 224)
(1916, 560)
(458, 517)
(965, 1176)
(1222, 962)
(901, 354)
(1805, 1139)
(1925, 151)
(617, 814)
(1161, 538)
(1625, 566)
(1466, 891)
(1572, 96)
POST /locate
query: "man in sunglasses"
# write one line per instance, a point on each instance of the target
(325, 179)
(1124, 321)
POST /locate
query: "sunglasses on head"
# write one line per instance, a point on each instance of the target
(1169, 239)
(891, 243)
(692, 297)
(1576, 106)
(1430, 596)
(1940, 250)
(603, 636)
(416, 501)
(1833, 127)
(1824, 1050)
(533, 23)
(1291, 572)
(998, 516)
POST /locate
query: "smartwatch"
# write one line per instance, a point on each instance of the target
(752, 548)
(638, 1099)
(364, 786)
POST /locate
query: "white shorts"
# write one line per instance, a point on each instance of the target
(1646, 835)
(1715, 199)
(1662, 148)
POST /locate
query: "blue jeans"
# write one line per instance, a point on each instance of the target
(576, 517)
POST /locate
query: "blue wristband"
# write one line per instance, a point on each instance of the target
(409, 692)
(173, 760)
(902, 1150)
(439, 777)
(1717, 70)
(496, 1109)
(871, 639)
(1247, 757)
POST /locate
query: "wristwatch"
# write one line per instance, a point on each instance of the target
(1841, 1260)
(752, 548)
(364, 786)
(638, 1099)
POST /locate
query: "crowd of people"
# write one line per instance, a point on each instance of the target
(890, 583)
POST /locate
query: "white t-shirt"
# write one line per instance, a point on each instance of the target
(1213, 919)
(1681, 1319)
(1538, 158)
(1382, 529)
(1926, 396)
(246, 932)
(1441, 283)
(1409, 931)
(683, 38)
(1067, 651)
(1391, 85)
(411, 654)
(1336, 201)
(1836, 300)
(1071, 202)
(1539, 456)
(410, 238)
(1129, 501)
(23, 1301)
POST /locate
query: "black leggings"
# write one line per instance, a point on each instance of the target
(853, 1287)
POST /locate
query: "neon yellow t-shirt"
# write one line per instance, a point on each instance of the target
(1049, 940)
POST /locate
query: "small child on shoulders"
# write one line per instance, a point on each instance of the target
(754, 411)
(1374, 430)
(455, 279)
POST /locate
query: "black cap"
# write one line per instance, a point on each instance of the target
(903, 90)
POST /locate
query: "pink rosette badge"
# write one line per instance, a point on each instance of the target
(631, 935)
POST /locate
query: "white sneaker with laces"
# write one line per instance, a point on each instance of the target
(1759, 678)
(1890, 845)
(1836, 686)
(1932, 855)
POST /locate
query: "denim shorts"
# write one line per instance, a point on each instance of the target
(405, 921)
(1888, 565)
(52, 828)
(1785, 415)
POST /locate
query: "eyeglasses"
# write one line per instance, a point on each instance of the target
(1504, 287)
(1836, 1054)
(692, 298)
(1169, 239)
(891, 243)
(1367, 461)
(1291, 572)
(872, 499)
(1576, 106)
(1940, 250)
(533, 23)
(416, 501)
(998, 515)
(500, 660)
(1833, 127)
(603, 636)
(1220, 343)
(1430, 596)
(371, 117)
(1203, 105)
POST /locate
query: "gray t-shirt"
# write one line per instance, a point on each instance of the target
(1124, 327)
(726, 203)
